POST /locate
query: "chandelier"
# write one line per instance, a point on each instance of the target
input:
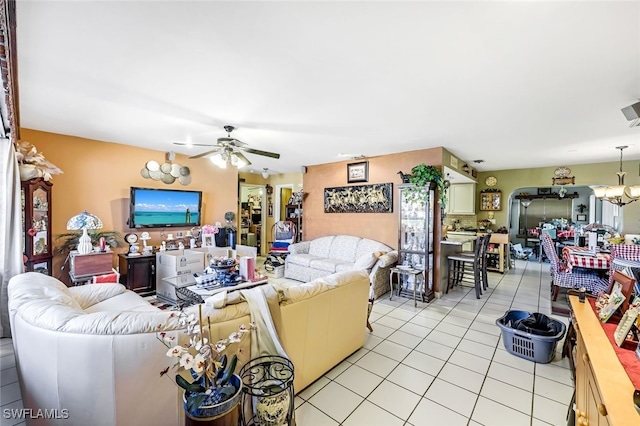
(615, 194)
(227, 156)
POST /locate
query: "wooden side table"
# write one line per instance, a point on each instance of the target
(418, 280)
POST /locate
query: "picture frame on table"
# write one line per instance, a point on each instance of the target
(208, 240)
(358, 172)
(581, 218)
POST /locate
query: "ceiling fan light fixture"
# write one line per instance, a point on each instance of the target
(219, 161)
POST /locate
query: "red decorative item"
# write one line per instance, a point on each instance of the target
(32, 232)
(103, 244)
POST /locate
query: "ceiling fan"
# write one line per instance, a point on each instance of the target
(228, 147)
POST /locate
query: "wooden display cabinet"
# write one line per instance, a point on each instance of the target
(36, 230)
(491, 201)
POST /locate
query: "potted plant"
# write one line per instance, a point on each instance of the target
(211, 387)
(69, 240)
(422, 177)
(32, 163)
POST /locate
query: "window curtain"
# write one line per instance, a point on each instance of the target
(10, 227)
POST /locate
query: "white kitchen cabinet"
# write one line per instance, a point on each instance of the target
(462, 199)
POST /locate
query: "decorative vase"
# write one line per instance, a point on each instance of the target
(84, 243)
(272, 410)
(28, 172)
(209, 411)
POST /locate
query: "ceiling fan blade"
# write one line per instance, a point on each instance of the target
(242, 157)
(258, 152)
(192, 144)
(204, 154)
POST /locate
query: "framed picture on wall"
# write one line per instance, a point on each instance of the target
(581, 218)
(358, 172)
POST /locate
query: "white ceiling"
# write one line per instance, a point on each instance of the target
(518, 84)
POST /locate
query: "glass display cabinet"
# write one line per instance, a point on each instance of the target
(416, 239)
(36, 232)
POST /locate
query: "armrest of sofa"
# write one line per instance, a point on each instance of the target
(302, 247)
(388, 259)
(90, 294)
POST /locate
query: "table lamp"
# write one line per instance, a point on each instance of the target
(84, 221)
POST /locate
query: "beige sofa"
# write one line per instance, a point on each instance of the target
(93, 349)
(337, 253)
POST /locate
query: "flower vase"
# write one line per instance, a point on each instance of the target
(28, 172)
(219, 414)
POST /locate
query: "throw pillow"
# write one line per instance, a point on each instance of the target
(366, 261)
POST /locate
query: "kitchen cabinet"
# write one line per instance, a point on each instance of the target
(37, 246)
(415, 240)
(138, 273)
(462, 199)
(603, 389)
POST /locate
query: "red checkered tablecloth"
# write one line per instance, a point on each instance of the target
(572, 257)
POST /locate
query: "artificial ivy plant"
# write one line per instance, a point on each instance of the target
(421, 176)
(69, 240)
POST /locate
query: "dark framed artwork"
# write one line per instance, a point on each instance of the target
(544, 191)
(358, 172)
(270, 210)
(375, 198)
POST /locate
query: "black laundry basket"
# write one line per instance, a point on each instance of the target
(527, 345)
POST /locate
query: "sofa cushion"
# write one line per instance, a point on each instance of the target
(341, 267)
(301, 259)
(320, 247)
(344, 247)
(41, 286)
(127, 301)
(329, 265)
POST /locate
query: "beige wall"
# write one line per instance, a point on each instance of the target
(97, 177)
(585, 174)
(381, 227)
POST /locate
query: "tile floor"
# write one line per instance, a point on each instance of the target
(438, 364)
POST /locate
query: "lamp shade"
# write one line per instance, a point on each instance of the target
(84, 220)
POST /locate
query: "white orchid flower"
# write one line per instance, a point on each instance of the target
(176, 351)
(186, 361)
(199, 364)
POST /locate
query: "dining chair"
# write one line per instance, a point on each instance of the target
(562, 277)
(466, 268)
(625, 258)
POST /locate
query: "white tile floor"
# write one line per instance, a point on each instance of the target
(438, 364)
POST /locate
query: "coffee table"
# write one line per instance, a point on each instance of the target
(188, 293)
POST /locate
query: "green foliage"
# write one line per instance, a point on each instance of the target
(69, 240)
(421, 177)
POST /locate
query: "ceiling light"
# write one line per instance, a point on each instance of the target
(615, 194)
(265, 173)
(227, 156)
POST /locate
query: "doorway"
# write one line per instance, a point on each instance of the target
(252, 214)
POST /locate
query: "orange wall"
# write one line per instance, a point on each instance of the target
(381, 227)
(97, 176)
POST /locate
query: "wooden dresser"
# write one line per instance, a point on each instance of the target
(604, 392)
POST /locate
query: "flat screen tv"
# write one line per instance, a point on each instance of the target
(163, 208)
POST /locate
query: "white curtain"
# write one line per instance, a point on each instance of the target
(10, 227)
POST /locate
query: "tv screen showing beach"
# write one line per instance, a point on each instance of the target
(159, 208)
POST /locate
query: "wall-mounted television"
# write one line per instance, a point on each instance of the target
(163, 208)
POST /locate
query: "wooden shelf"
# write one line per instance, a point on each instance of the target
(553, 196)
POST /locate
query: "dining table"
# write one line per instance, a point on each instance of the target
(582, 257)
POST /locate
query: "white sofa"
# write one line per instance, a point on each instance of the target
(93, 350)
(336, 253)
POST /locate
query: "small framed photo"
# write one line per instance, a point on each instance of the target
(358, 172)
(581, 218)
(544, 191)
(208, 240)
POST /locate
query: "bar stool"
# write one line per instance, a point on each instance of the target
(461, 264)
